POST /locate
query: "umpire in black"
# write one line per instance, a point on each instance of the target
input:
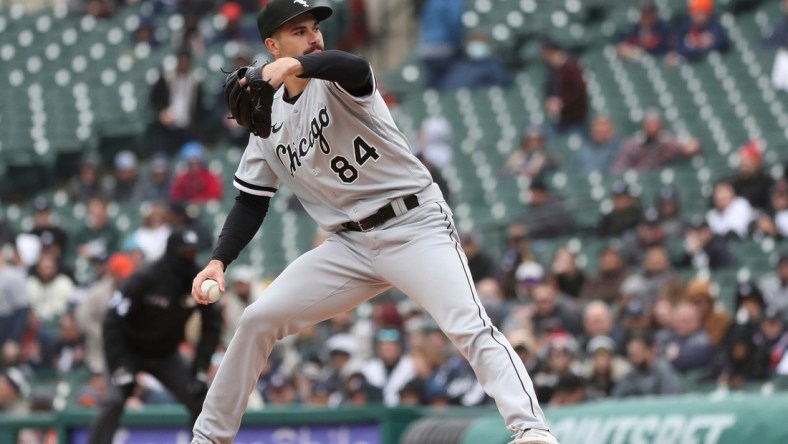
(142, 331)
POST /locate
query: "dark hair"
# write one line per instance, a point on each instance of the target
(570, 382)
(644, 336)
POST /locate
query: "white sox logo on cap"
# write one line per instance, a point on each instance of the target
(302, 3)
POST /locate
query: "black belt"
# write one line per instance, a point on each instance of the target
(382, 215)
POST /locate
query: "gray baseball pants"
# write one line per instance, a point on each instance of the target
(419, 253)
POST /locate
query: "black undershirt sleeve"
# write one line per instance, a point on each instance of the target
(350, 71)
(239, 228)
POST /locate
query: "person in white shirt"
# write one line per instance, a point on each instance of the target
(390, 370)
(731, 214)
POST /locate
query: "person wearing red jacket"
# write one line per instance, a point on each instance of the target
(196, 184)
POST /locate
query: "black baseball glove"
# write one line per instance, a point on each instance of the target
(251, 106)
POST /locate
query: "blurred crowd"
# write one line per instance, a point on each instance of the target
(648, 319)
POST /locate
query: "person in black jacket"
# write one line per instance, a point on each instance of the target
(177, 100)
(142, 331)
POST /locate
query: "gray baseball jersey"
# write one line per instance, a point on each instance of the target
(342, 156)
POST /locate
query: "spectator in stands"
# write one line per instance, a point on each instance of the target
(650, 35)
(359, 392)
(669, 210)
(559, 352)
(341, 350)
(650, 374)
(606, 284)
(96, 8)
(234, 29)
(124, 184)
(391, 369)
(771, 341)
(478, 67)
(529, 275)
(625, 214)
(653, 148)
(49, 290)
(434, 142)
(531, 159)
(176, 98)
(598, 322)
(87, 183)
(238, 296)
(196, 184)
(715, 318)
(751, 181)
(704, 250)
(144, 325)
(441, 39)
(566, 97)
(554, 312)
(699, 33)
(603, 367)
(94, 390)
(69, 348)
(774, 222)
(145, 33)
(280, 391)
(517, 250)
(741, 361)
(634, 317)
(545, 216)
(647, 233)
(51, 237)
(687, 346)
(654, 274)
(774, 287)
(92, 307)
(778, 39)
(598, 153)
(567, 274)
(480, 263)
(570, 389)
(96, 237)
(152, 236)
(14, 301)
(731, 214)
(14, 392)
(159, 183)
(46, 228)
(750, 305)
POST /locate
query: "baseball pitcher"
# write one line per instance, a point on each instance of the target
(321, 129)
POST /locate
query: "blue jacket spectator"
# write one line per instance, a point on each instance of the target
(599, 153)
(442, 38)
(650, 34)
(779, 36)
(477, 68)
(687, 345)
(701, 31)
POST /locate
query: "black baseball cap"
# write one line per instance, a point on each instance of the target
(277, 12)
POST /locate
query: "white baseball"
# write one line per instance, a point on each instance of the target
(210, 288)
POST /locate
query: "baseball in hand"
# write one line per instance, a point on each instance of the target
(210, 288)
